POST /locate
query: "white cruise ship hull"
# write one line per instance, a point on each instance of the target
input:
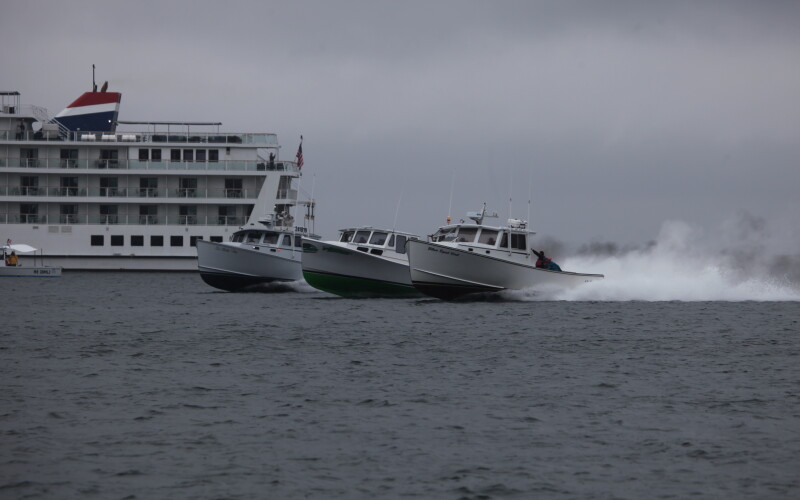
(346, 271)
(232, 266)
(447, 271)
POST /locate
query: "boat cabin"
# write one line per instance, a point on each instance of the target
(514, 239)
(375, 241)
(268, 238)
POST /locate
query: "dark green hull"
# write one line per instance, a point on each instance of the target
(352, 287)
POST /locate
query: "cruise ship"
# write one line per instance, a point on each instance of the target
(96, 193)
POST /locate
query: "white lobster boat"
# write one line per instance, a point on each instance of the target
(364, 262)
(470, 257)
(19, 270)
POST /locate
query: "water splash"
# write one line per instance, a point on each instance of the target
(686, 264)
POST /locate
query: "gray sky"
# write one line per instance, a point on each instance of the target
(612, 117)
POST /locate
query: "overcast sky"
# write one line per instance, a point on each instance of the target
(612, 117)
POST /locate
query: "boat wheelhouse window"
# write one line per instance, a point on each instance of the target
(518, 241)
(176, 241)
(361, 237)
(253, 237)
(504, 240)
(488, 237)
(400, 247)
(347, 236)
(466, 234)
(444, 234)
(156, 241)
(97, 240)
(298, 241)
(137, 240)
(378, 238)
(213, 155)
(271, 238)
(144, 154)
(117, 240)
(287, 240)
(238, 237)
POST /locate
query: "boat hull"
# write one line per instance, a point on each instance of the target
(231, 267)
(448, 272)
(30, 272)
(352, 273)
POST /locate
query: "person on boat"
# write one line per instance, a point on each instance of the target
(12, 259)
(544, 262)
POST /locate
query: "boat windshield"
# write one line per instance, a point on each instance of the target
(271, 238)
(444, 234)
(361, 237)
(466, 234)
(252, 237)
(488, 237)
(346, 236)
(378, 238)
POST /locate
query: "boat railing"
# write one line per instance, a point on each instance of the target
(227, 138)
(150, 165)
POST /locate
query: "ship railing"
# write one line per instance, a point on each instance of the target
(128, 192)
(114, 219)
(265, 140)
(150, 165)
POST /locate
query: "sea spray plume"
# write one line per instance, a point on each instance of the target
(686, 263)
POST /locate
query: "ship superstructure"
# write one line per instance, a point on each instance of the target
(96, 193)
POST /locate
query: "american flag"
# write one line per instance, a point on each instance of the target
(300, 154)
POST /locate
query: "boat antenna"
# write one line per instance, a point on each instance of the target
(510, 192)
(530, 182)
(452, 186)
(397, 210)
(94, 85)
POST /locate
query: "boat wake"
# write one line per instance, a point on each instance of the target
(741, 263)
(280, 287)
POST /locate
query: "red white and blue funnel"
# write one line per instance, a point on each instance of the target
(92, 112)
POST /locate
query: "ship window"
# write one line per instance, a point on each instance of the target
(155, 154)
(213, 155)
(193, 240)
(97, 240)
(29, 157)
(29, 212)
(144, 154)
(391, 241)
(252, 237)
(200, 155)
(444, 234)
(216, 239)
(377, 238)
(233, 188)
(137, 241)
(176, 241)
(401, 244)
(518, 241)
(29, 185)
(467, 234)
(175, 155)
(504, 241)
(117, 240)
(188, 155)
(69, 158)
(361, 237)
(156, 241)
(298, 241)
(108, 214)
(270, 238)
(69, 186)
(347, 236)
(488, 237)
(69, 214)
(287, 240)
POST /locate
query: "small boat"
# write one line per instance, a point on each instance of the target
(265, 251)
(364, 262)
(10, 267)
(471, 257)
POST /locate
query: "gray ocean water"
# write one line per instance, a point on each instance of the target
(147, 386)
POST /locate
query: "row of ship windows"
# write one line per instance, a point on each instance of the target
(144, 154)
(118, 240)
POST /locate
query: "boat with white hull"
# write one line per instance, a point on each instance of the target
(364, 262)
(466, 258)
(14, 269)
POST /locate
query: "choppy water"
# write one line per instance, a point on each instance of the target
(157, 386)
